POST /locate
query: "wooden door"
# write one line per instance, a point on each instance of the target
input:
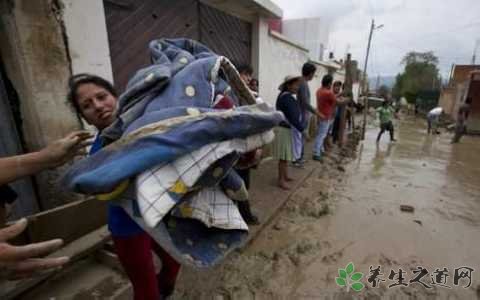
(131, 25)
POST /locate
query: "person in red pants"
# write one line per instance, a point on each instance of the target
(95, 100)
(135, 255)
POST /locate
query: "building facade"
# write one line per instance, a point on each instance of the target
(45, 42)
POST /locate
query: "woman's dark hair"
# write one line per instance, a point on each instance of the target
(308, 69)
(77, 80)
(327, 80)
(288, 83)
(337, 83)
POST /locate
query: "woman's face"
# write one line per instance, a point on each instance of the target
(337, 89)
(97, 105)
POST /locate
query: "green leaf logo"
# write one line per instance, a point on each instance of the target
(350, 268)
(358, 286)
(349, 278)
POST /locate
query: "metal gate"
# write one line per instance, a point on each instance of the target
(131, 25)
(26, 204)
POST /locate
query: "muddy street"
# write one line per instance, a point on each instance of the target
(349, 211)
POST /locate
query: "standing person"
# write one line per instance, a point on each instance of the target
(325, 105)
(433, 117)
(18, 262)
(303, 97)
(246, 73)
(350, 113)
(244, 207)
(282, 148)
(253, 85)
(335, 126)
(462, 116)
(95, 100)
(385, 115)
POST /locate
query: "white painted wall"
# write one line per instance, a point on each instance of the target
(311, 33)
(277, 58)
(87, 37)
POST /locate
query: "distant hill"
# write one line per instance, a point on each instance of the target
(384, 80)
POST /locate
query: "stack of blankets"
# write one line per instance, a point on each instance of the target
(169, 156)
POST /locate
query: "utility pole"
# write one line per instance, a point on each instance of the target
(377, 84)
(365, 97)
(474, 56)
(364, 84)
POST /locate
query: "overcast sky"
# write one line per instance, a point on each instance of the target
(447, 27)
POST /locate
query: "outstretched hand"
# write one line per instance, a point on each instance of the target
(18, 262)
(63, 150)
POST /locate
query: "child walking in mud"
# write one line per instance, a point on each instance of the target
(385, 115)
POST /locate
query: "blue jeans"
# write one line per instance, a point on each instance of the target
(322, 132)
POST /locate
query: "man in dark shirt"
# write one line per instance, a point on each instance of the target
(304, 100)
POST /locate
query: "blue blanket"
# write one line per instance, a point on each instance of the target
(165, 113)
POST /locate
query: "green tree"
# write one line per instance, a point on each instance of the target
(397, 88)
(420, 73)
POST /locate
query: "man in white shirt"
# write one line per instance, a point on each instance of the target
(433, 117)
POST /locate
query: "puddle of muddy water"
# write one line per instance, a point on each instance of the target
(442, 183)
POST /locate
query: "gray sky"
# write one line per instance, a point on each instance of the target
(447, 27)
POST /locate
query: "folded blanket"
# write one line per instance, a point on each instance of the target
(169, 157)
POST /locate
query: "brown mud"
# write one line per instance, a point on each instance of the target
(348, 210)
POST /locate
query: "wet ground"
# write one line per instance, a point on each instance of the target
(337, 217)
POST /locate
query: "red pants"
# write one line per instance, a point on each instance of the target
(135, 255)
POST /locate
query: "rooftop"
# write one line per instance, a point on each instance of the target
(248, 9)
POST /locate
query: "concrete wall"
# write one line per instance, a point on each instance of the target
(447, 100)
(460, 95)
(473, 122)
(37, 62)
(87, 40)
(277, 60)
(311, 33)
(278, 57)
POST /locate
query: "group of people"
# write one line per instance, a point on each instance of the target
(294, 101)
